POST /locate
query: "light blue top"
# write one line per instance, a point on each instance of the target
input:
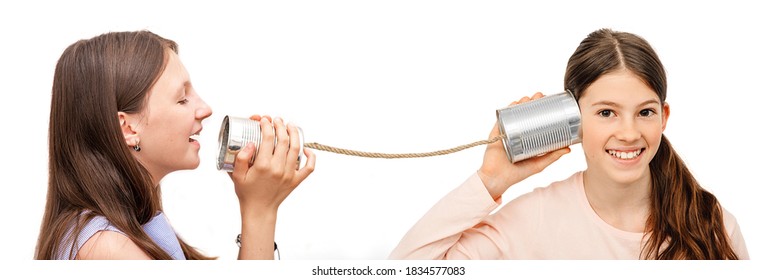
(158, 228)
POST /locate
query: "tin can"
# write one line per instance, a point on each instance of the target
(540, 126)
(236, 133)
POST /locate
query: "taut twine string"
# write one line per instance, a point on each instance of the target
(322, 147)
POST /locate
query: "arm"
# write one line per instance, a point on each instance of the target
(263, 186)
(458, 227)
(451, 222)
(498, 173)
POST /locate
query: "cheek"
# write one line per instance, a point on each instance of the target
(654, 134)
(593, 139)
(166, 131)
(593, 132)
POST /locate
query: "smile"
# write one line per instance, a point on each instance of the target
(625, 154)
(194, 138)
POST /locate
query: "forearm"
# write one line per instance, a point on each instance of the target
(437, 234)
(258, 235)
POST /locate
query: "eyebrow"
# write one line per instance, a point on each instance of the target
(613, 104)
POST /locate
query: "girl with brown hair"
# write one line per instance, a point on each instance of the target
(124, 114)
(635, 200)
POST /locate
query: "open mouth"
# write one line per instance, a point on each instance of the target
(626, 155)
(194, 138)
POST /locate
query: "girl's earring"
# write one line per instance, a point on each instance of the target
(136, 147)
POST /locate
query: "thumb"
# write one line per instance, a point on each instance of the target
(545, 160)
(241, 163)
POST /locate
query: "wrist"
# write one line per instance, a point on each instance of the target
(257, 209)
(258, 216)
(257, 235)
(492, 184)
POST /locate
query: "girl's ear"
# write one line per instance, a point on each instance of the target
(130, 134)
(666, 113)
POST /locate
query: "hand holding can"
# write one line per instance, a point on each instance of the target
(540, 126)
(235, 134)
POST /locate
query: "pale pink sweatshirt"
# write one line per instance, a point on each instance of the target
(553, 222)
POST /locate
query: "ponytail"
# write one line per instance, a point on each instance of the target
(685, 221)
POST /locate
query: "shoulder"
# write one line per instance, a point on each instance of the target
(110, 245)
(564, 190)
(734, 233)
(561, 194)
(731, 223)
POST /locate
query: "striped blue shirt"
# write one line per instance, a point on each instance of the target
(158, 228)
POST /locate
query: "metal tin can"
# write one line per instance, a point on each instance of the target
(236, 133)
(540, 126)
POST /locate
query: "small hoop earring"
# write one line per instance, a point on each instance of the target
(136, 147)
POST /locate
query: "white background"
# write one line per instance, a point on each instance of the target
(394, 77)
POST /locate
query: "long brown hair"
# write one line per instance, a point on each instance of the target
(91, 169)
(685, 221)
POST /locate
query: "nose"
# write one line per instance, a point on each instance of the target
(203, 111)
(627, 131)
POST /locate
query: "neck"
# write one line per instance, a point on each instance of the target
(157, 178)
(623, 205)
(156, 175)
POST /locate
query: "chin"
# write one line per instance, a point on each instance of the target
(192, 164)
(629, 176)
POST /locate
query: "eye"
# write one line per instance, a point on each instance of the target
(184, 101)
(605, 113)
(647, 112)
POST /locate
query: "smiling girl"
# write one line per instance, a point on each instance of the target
(635, 200)
(124, 114)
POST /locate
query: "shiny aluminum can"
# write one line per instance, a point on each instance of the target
(235, 134)
(540, 126)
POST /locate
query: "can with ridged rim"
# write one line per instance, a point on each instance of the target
(540, 126)
(236, 133)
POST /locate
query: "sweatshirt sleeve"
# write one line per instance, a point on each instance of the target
(454, 228)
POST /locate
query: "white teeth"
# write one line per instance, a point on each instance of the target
(624, 155)
(194, 137)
